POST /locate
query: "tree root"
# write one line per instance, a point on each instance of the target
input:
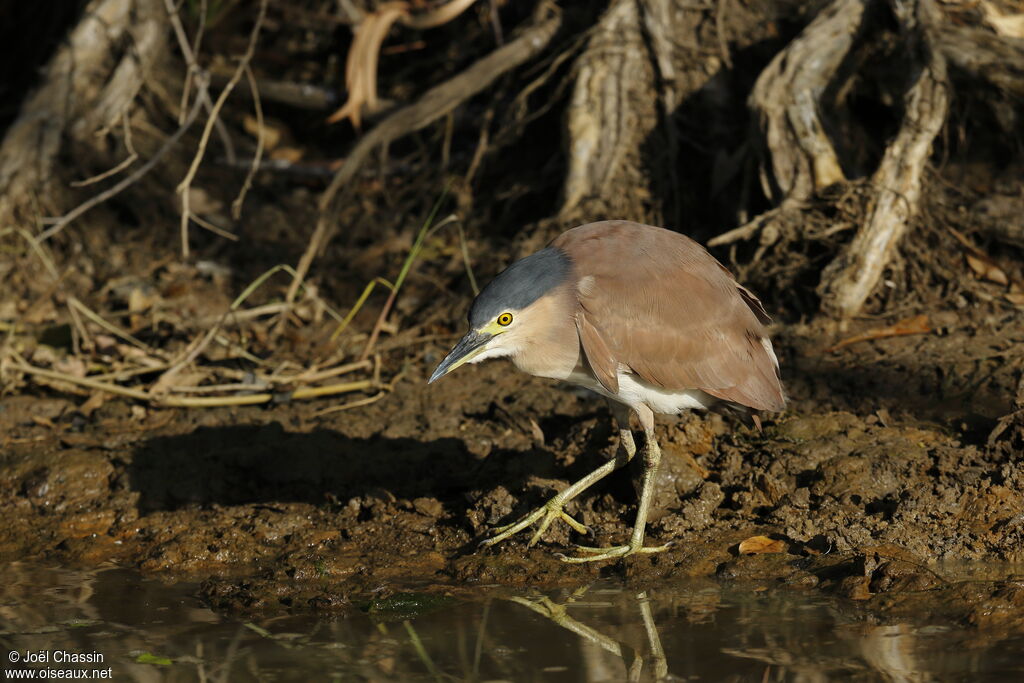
(803, 161)
(785, 100)
(641, 62)
(610, 112)
(983, 54)
(849, 280)
(87, 86)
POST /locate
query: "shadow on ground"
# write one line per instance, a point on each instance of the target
(265, 464)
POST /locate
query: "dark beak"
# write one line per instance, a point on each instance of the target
(470, 345)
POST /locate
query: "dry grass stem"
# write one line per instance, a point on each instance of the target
(58, 224)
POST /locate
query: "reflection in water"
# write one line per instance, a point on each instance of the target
(698, 630)
(595, 645)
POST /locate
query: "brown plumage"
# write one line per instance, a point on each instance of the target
(661, 305)
(642, 315)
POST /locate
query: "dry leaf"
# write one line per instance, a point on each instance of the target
(94, 402)
(1015, 298)
(292, 155)
(139, 300)
(44, 356)
(757, 545)
(181, 378)
(71, 366)
(202, 202)
(536, 432)
(105, 344)
(917, 324)
(987, 270)
(273, 132)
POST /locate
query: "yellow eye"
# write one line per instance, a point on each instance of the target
(505, 319)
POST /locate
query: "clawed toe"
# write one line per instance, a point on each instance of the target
(543, 517)
(591, 554)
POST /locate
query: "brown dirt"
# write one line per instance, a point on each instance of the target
(867, 485)
(881, 469)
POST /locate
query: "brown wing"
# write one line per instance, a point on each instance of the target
(663, 306)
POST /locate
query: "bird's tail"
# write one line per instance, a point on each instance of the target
(748, 416)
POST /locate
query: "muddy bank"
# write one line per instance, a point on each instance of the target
(881, 468)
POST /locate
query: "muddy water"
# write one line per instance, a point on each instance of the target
(143, 629)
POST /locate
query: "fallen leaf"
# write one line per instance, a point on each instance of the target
(94, 402)
(201, 201)
(917, 324)
(536, 432)
(986, 269)
(44, 355)
(292, 155)
(71, 366)
(139, 299)
(757, 545)
(105, 344)
(273, 132)
(1015, 298)
(179, 378)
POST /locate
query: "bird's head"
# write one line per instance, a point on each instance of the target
(510, 310)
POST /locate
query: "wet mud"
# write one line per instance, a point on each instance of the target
(880, 474)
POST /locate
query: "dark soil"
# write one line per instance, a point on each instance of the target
(880, 471)
(895, 457)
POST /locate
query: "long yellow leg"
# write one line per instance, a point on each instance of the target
(552, 510)
(652, 458)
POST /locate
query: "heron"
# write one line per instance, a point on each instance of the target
(641, 315)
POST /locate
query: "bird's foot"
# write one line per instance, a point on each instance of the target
(615, 552)
(547, 513)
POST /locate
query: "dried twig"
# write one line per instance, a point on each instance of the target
(414, 252)
(76, 304)
(123, 164)
(188, 52)
(162, 400)
(186, 183)
(58, 224)
(434, 104)
(261, 134)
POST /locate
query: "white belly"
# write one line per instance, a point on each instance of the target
(634, 391)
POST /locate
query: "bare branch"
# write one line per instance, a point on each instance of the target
(434, 104)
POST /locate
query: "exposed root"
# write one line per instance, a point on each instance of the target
(630, 79)
(852, 277)
(610, 111)
(982, 54)
(88, 85)
(786, 100)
